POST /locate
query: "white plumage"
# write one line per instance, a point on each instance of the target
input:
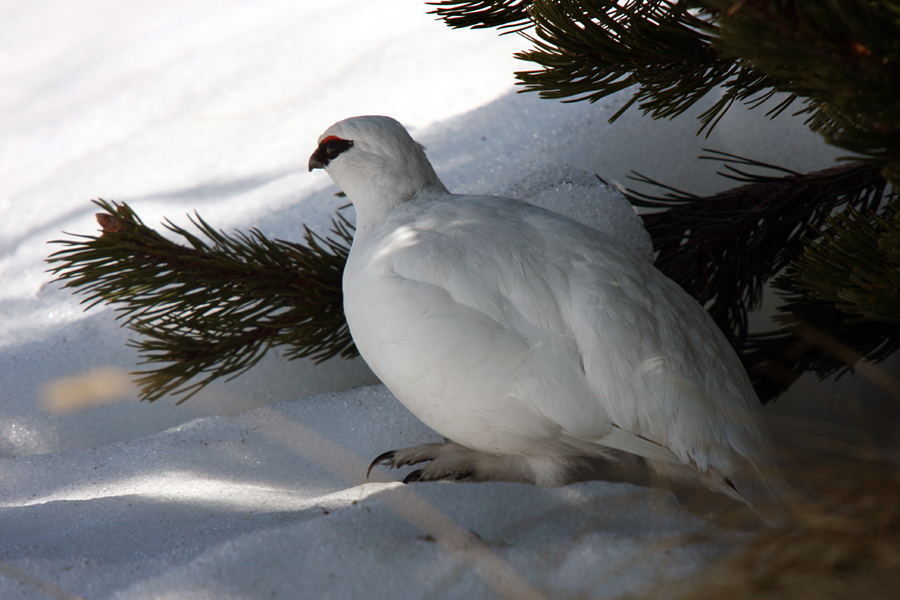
(539, 347)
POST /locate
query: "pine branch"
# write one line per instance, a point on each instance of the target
(841, 303)
(842, 57)
(483, 14)
(589, 49)
(855, 266)
(214, 306)
(839, 58)
(815, 337)
(724, 248)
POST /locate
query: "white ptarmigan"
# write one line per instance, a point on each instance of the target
(539, 347)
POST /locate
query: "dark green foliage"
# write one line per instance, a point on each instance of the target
(482, 14)
(213, 307)
(855, 266)
(815, 337)
(589, 50)
(840, 57)
(724, 248)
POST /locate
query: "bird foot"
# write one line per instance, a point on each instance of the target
(446, 461)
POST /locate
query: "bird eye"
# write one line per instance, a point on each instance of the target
(333, 148)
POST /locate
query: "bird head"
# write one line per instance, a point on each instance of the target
(375, 162)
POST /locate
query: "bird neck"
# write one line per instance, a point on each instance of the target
(376, 196)
(370, 212)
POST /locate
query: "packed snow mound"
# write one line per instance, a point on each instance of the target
(587, 198)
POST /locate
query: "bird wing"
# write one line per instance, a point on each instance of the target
(546, 327)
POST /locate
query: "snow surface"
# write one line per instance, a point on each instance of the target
(256, 488)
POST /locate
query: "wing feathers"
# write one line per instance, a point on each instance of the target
(619, 439)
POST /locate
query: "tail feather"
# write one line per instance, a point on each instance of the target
(763, 490)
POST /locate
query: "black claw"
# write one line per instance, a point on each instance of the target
(381, 459)
(413, 476)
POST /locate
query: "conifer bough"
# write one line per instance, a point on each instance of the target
(210, 308)
(839, 58)
(837, 272)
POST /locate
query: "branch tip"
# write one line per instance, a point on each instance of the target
(110, 223)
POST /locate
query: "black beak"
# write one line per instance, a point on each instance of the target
(314, 162)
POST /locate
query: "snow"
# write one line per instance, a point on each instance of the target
(256, 488)
(275, 500)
